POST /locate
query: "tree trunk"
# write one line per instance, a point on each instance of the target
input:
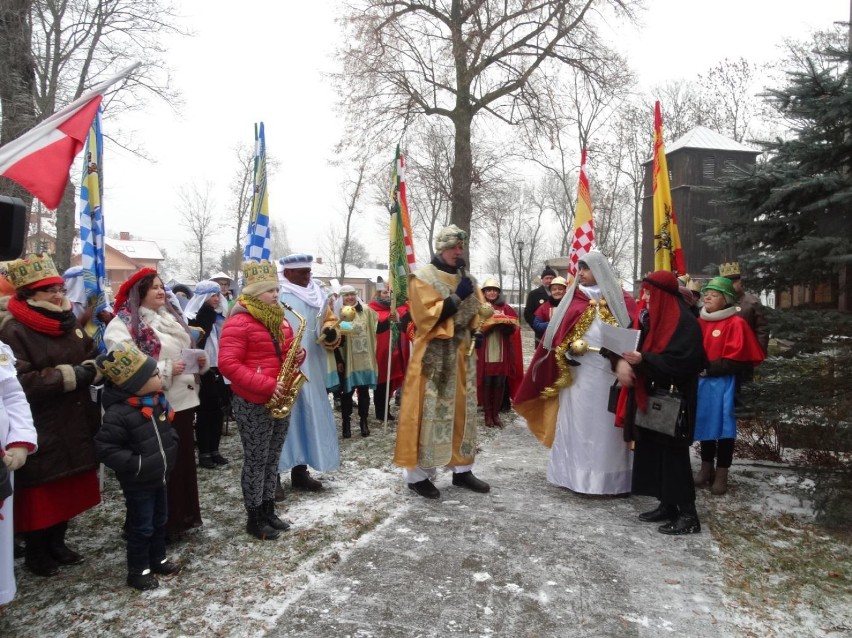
(65, 230)
(462, 173)
(17, 82)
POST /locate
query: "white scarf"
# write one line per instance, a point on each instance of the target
(312, 294)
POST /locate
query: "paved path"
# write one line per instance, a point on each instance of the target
(527, 560)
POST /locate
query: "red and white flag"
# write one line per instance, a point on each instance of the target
(40, 159)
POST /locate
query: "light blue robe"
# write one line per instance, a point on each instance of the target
(312, 435)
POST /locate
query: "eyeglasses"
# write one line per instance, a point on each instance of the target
(54, 290)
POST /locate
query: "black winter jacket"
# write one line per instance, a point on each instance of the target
(141, 451)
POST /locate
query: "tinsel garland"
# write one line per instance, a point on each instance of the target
(564, 379)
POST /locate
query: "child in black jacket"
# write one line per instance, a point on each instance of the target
(138, 442)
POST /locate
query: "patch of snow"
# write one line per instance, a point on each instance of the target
(481, 577)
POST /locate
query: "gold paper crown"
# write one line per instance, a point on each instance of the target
(123, 363)
(32, 269)
(256, 272)
(729, 270)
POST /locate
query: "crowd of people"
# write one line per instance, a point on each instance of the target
(174, 365)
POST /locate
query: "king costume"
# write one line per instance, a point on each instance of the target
(312, 436)
(438, 418)
(566, 406)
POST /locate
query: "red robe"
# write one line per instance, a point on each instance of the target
(512, 365)
(397, 372)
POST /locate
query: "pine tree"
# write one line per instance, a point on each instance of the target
(790, 217)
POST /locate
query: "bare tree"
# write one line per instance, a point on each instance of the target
(239, 209)
(729, 97)
(196, 210)
(58, 48)
(456, 60)
(353, 193)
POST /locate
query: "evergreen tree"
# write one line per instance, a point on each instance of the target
(790, 217)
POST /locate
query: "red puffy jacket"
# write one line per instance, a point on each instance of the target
(247, 356)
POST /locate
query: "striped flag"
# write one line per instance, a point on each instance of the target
(258, 240)
(92, 230)
(584, 224)
(401, 254)
(668, 253)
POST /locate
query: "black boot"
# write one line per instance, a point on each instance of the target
(301, 479)
(268, 508)
(205, 460)
(280, 495)
(469, 481)
(144, 581)
(258, 527)
(663, 512)
(347, 427)
(683, 524)
(57, 548)
(365, 431)
(36, 556)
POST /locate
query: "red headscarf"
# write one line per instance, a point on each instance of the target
(663, 309)
(124, 290)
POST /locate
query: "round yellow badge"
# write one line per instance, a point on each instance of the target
(716, 332)
(79, 333)
(4, 359)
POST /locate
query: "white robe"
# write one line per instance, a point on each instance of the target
(589, 454)
(16, 426)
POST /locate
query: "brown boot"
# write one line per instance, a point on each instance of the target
(706, 475)
(496, 404)
(486, 405)
(720, 483)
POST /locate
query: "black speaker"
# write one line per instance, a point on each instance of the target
(13, 227)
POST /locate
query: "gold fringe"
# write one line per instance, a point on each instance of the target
(564, 379)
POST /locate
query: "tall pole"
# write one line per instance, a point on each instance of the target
(520, 276)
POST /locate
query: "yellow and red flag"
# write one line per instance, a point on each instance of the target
(584, 225)
(668, 253)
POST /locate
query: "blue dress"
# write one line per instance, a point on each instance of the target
(312, 435)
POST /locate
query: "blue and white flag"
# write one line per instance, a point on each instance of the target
(258, 244)
(92, 230)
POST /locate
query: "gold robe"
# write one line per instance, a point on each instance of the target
(437, 418)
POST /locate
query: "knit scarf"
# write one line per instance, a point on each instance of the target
(144, 337)
(148, 402)
(271, 316)
(43, 317)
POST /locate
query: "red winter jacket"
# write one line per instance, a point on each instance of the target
(247, 356)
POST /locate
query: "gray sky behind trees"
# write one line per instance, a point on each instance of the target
(265, 61)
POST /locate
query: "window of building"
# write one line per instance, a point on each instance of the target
(708, 167)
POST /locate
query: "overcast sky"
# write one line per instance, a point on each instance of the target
(262, 60)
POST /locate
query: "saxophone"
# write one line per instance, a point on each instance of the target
(289, 374)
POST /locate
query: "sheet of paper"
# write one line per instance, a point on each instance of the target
(619, 340)
(190, 356)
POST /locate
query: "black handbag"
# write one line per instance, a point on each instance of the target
(614, 393)
(665, 411)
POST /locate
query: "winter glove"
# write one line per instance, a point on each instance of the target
(478, 338)
(84, 375)
(15, 458)
(330, 334)
(465, 288)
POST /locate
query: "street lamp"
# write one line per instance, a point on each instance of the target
(520, 245)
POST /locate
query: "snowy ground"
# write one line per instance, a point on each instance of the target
(529, 559)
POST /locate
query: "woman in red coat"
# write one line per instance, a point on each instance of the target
(498, 361)
(255, 341)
